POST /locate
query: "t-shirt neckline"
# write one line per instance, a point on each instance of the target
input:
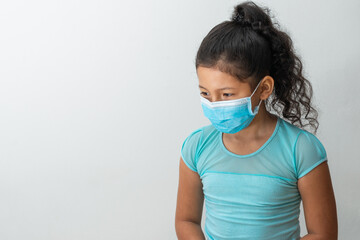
(253, 153)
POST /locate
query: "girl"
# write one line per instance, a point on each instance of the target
(252, 167)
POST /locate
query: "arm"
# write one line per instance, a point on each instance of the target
(189, 205)
(319, 204)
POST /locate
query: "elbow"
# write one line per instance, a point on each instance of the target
(187, 230)
(330, 235)
(319, 236)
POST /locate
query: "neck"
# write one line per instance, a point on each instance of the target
(262, 123)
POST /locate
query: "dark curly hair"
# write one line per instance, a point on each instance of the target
(250, 45)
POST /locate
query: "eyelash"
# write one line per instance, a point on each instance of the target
(228, 94)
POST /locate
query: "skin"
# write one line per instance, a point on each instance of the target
(315, 187)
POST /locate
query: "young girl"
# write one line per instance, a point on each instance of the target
(251, 167)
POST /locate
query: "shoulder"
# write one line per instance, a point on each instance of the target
(307, 141)
(202, 133)
(297, 136)
(199, 138)
(290, 129)
(193, 144)
(309, 152)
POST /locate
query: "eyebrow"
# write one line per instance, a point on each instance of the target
(219, 88)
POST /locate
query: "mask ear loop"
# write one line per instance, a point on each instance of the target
(255, 89)
(258, 106)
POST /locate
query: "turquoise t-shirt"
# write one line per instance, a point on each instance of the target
(253, 196)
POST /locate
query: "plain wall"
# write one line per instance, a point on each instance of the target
(96, 98)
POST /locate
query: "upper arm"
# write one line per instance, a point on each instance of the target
(315, 187)
(319, 202)
(190, 195)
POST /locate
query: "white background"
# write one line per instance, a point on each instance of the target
(97, 96)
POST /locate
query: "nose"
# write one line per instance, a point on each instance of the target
(215, 99)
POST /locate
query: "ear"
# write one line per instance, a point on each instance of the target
(266, 87)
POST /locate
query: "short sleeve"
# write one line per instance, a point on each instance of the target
(189, 149)
(309, 152)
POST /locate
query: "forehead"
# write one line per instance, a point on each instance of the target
(212, 78)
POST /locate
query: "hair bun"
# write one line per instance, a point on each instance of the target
(239, 17)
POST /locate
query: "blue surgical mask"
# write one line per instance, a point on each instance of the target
(230, 116)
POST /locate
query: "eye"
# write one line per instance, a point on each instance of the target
(228, 94)
(203, 93)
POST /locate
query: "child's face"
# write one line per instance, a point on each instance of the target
(215, 85)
